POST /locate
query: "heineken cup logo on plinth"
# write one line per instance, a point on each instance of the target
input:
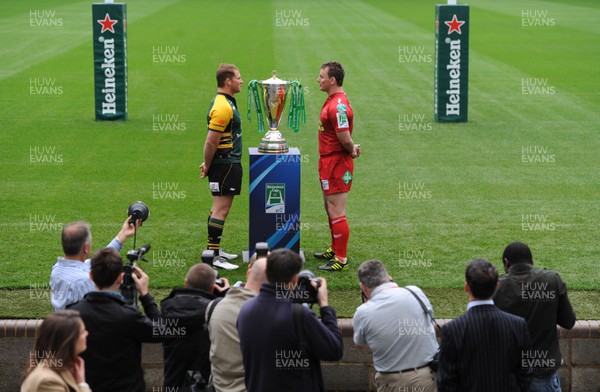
(275, 198)
(110, 60)
(269, 96)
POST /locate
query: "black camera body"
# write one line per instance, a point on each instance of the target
(306, 292)
(219, 282)
(128, 289)
(207, 258)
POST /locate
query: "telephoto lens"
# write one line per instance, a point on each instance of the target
(262, 249)
(208, 256)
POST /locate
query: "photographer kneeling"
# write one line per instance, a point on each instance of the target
(282, 350)
(186, 343)
(113, 359)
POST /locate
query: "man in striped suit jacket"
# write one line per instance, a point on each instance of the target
(484, 349)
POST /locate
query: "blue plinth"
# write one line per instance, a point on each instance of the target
(274, 200)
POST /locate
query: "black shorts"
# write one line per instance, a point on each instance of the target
(225, 179)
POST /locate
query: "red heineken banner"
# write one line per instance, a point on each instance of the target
(110, 60)
(451, 63)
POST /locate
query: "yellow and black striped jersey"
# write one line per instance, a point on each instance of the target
(224, 117)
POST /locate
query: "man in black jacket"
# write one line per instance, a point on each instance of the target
(269, 338)
(540, 297)
(186, 343)
(113, 359)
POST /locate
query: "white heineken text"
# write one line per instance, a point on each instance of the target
(453, 104)
(109, 105)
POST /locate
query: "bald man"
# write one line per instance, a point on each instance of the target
(185, 341)
(70, 276)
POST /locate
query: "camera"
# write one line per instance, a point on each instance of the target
(207, 258)
(219, 282)
(138, 211)
(306, 292)
(195, 382)
(128, 289)
(262, 249)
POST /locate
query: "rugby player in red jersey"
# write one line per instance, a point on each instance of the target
(337, 152)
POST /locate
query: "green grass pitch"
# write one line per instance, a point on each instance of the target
(427, 197)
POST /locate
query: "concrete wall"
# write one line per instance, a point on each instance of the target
(580, 348)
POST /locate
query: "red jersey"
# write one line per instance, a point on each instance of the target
(336, 116)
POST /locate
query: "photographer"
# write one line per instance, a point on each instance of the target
(113, 359)
(399, 331)
(186, 344)
(226, 365)
(270, 336)
(70, 276)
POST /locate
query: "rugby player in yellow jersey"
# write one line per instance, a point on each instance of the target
(222, 158)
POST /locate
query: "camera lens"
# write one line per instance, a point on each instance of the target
(308, 274)
(208, 256)
(262, 248)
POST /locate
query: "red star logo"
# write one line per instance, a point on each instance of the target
(107, 24)
(454, 25)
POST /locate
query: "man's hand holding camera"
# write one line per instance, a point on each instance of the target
(221, 285)
(321, 287)
(142, 282)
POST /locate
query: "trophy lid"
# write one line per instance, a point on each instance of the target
(274, 80)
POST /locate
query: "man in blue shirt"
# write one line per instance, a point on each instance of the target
(70, 276)
(397, 329)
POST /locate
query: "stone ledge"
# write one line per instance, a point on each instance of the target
(583, 329)
(19, 328)
(580, 347)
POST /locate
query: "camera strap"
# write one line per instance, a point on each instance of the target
(434, 363)
(209, 311)
(427, 312)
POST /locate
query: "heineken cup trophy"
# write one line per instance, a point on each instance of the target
(271, 95)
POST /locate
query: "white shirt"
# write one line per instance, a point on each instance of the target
(396, 329)
(479, 302)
